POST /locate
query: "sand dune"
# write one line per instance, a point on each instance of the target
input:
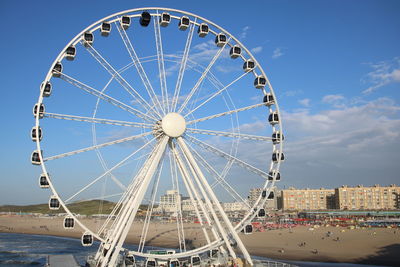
(369, 246)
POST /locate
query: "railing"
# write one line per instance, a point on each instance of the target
(269, 263)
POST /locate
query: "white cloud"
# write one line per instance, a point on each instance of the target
(256, 50)
(335, 100)
(292, 93)
(204, 52)
(305, 102)
(228, 69)
(355, 144)
(384, 73)
(277, 53)
(351, 145)
(244, 32)
(253, 127)
(332, 98)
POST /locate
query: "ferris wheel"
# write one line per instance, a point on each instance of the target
(155, 99)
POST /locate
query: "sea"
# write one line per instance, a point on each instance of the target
(17, 250)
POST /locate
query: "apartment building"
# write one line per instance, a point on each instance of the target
(375, 198)
(307, 199)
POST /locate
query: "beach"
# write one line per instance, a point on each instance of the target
(378, 246)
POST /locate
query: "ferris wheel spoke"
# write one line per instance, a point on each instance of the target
(103, 162)
(96, 120)
(225, 113)
(194, 89)
(106, 97)
(161, 66)
(182, 67)
(227, 156)
(108, 171)
(118, 141)
(230, 134)
(104, 197)
(138, 65)
(219, 179)
(128, 88)
(216, 94)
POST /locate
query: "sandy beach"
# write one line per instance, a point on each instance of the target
(379, 246)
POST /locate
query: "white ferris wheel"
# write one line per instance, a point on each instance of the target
(163, 99)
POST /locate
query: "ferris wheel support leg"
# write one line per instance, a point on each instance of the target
(127, 219)
(207, 201)
(189, 187)
(225, 218)
(208, 209)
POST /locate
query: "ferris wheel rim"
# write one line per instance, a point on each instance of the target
(76, 39)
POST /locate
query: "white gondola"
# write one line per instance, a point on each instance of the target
(268, 99)
(249, 65)
(195, 260)
(233, 242)
(35, 159)
(43, 182)
(261, 213)
(105, 29)
(273, 118)
(69, 223)
(125, 22)
(271, 195)
(151, 262)
(248, 229)
(87, 39)
(220, 39)
(277, 136)
(183, 23)
(54, 203)
(174, 263)
(203, 30)
(45, 88)
(274, 173)
(130, 260)
(70, 53)
(260, 82)
(165, 19)
(41, 110)
(57, 69)
(145, 19)
(87, 239)
(264, 194)
(276, 155)
(235, 51)
(36, 133)
(213, 253)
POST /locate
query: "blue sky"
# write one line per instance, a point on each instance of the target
(334, 65)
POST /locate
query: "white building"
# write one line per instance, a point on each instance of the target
(187, 205)
(170, 201)
(234, 206)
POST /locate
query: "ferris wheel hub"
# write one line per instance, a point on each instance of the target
(173, 124)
